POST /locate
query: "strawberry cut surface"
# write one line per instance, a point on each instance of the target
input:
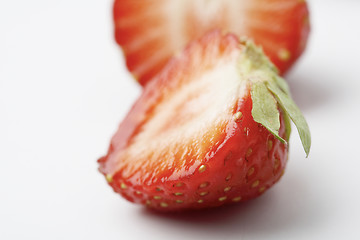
(151, 31)
(196, 137)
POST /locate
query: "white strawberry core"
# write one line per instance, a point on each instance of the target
(185, 116)
(207, 14)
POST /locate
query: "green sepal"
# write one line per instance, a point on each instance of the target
(294, 113)
(287, 122)
(264, 110)
(283, 85)
(270, 92)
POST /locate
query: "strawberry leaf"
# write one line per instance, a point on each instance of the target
(293, 111)
(287, 122)
(283, 85)
(265, 109)
(269, 92)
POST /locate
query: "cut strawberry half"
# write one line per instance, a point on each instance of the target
(151, 31)
(210, 129)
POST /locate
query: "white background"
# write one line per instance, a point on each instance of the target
(64, 90)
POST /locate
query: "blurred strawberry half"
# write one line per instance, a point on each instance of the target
(210, 129)
(151, 31)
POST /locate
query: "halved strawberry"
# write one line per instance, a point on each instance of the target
(210, 129)
(151, 31)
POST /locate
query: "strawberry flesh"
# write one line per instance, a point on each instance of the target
(151, 31)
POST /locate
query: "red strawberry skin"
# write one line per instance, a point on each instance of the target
(226, 159)
(151, 31)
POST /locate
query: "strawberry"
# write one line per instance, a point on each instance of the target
(211, 128)
(151, 31)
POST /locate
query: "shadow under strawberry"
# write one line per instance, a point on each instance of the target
(288, 206)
